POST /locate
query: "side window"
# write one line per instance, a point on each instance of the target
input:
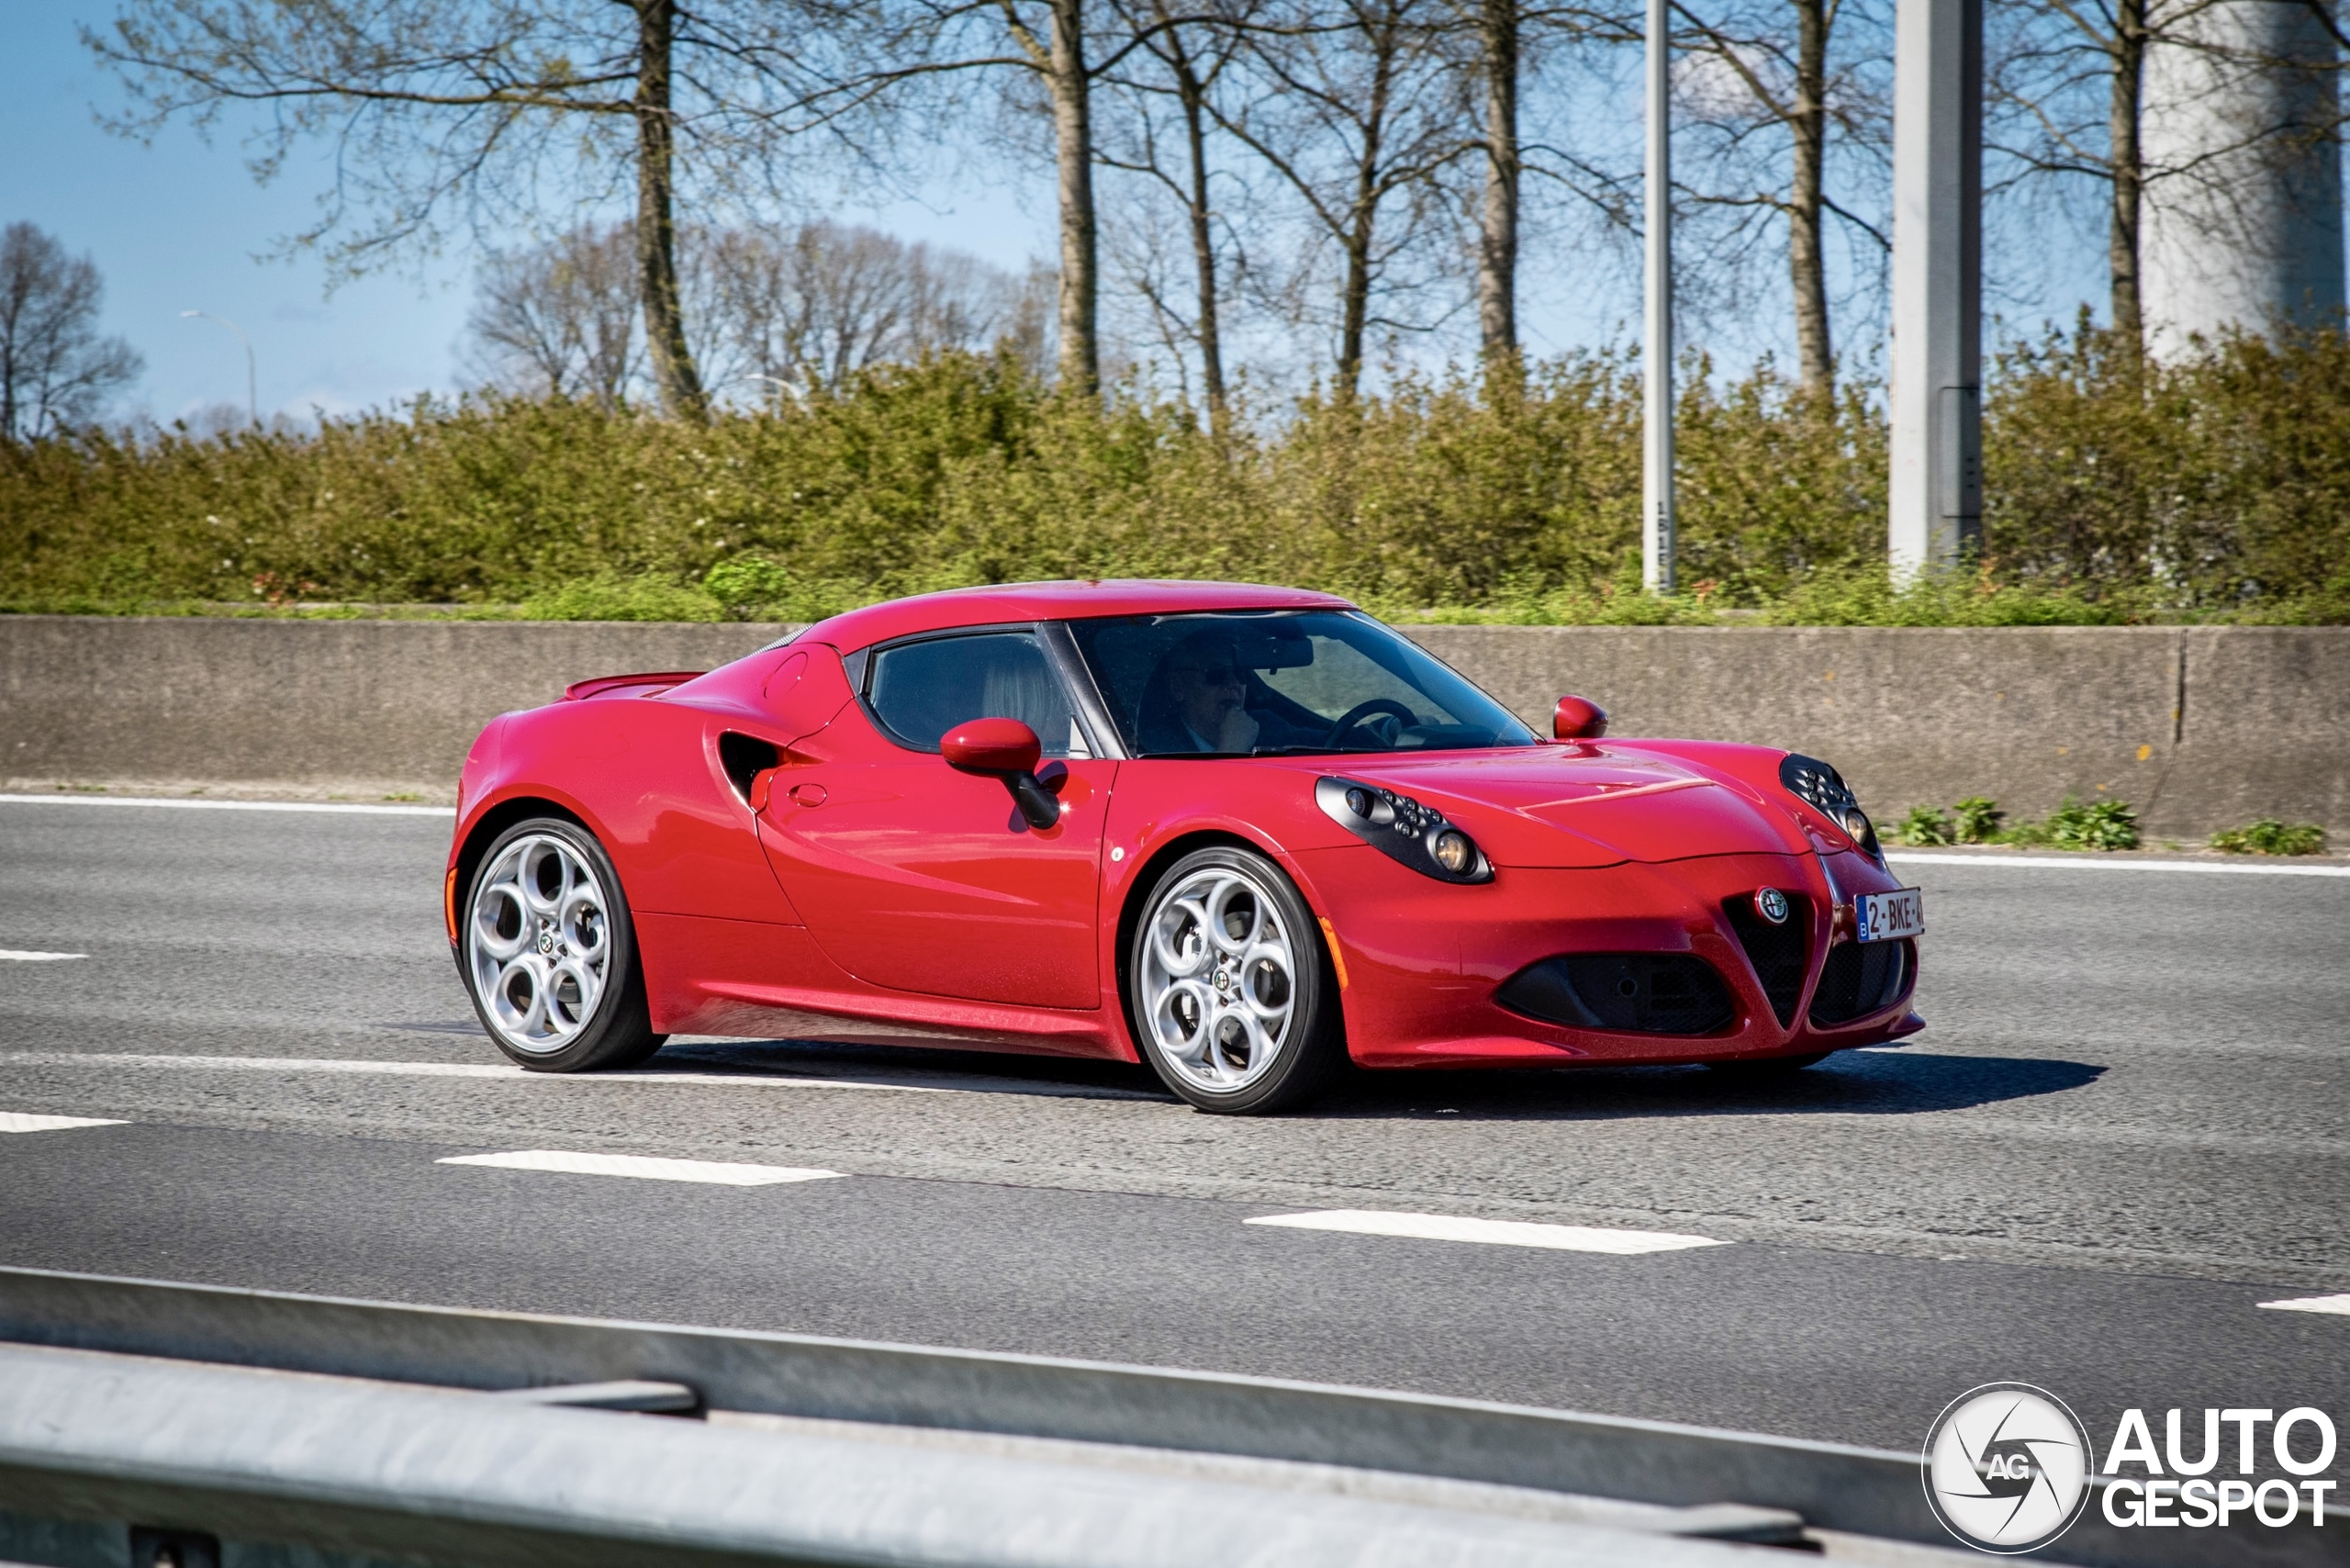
(921, 690)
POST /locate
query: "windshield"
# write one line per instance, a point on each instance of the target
(1266, 683)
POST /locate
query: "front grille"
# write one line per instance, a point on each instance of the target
(1776, 951)
(1861, 977)
(1640, 993)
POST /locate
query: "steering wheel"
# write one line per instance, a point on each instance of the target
(1361, 711)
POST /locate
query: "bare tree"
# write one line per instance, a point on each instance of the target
(561, 319)
(1351, 106)
(2068, 88)
(443, 112)
(2066, 91)
(1164, 136)
(56, 370)
(1045, 45)
(789, 309)
(1499, 25)
(1760, 71)
(812, 306)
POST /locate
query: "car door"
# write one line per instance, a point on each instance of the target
(917, 876)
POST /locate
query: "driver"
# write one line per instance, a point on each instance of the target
(1208, 686)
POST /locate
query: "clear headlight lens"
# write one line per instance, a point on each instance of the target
(1453, 851)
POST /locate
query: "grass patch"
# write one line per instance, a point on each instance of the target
(2270, 837)
(2075, 825)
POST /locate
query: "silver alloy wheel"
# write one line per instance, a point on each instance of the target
(539, 943)
(1219, 979)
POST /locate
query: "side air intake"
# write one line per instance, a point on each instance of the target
(1861, 977)
(1640, 994)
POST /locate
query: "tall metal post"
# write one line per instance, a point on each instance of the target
(1656, 343)
(253, 382)
(1937, 470)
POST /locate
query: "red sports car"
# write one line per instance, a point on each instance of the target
(1244, 835)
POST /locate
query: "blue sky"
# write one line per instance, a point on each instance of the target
(178, 225)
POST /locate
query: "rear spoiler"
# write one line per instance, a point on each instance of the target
(632, 684)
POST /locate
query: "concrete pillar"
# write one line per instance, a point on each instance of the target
(1656, 342)
(1937, 448)
(2243, 202)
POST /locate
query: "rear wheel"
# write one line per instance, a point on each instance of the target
(549, 952)
(1226, 990)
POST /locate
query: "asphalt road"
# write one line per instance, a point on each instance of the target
(2122, 1132)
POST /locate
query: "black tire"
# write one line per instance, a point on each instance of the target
(1309, 1051)
(1768, 1067)
(614, 1029)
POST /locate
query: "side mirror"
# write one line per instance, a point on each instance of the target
(1578, 718)
(992, 745)
(1009, 750)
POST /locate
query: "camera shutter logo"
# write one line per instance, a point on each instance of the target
(2007, 1467)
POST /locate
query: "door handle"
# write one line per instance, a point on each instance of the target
(808, 794)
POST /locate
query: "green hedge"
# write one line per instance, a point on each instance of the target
(2215, 489)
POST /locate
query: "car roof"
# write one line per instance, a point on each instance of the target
(1053, 602)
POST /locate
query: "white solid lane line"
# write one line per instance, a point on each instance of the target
(644, 1168)
(2089, 862)
(1492, 1232)
(26, 956)
(2338, 1304)
(442, 1069)
(25, 1122)
(201, 805)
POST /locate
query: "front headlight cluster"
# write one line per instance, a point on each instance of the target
(1402, 829)
(1823, 788)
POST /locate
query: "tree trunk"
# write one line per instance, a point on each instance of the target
(657, 231)
(1193, 95)
(2128, 49)
(1362, 217)
(1807, 259)
(1080, 357)
(1497, 24)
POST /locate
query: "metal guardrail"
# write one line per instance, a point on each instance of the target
(350, 1466)
(1833, 1487)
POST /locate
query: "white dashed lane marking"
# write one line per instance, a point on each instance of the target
(24, 955)
(644, 1168)
(1490, 1232)
(2338, 1304)
(25, 1122)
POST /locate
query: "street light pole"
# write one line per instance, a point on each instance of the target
(252, 401)
(1656, 344)
(1936, 479)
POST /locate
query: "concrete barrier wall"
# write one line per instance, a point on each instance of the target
(2200, 727)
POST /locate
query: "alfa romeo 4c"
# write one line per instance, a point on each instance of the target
(1245, 835)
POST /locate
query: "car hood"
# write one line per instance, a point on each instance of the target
(1585, 805)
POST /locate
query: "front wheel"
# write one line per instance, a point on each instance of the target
(1226, 990)
(549, 952)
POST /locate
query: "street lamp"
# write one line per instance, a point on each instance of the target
(1656, 345)
(788, 388)
(253, 402)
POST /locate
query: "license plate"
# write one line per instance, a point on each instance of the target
(1888, 917)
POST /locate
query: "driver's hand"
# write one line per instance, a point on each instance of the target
(1237, 732)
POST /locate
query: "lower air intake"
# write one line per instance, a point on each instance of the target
(1640, 994)
(1861, 977)
(1776, 951)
